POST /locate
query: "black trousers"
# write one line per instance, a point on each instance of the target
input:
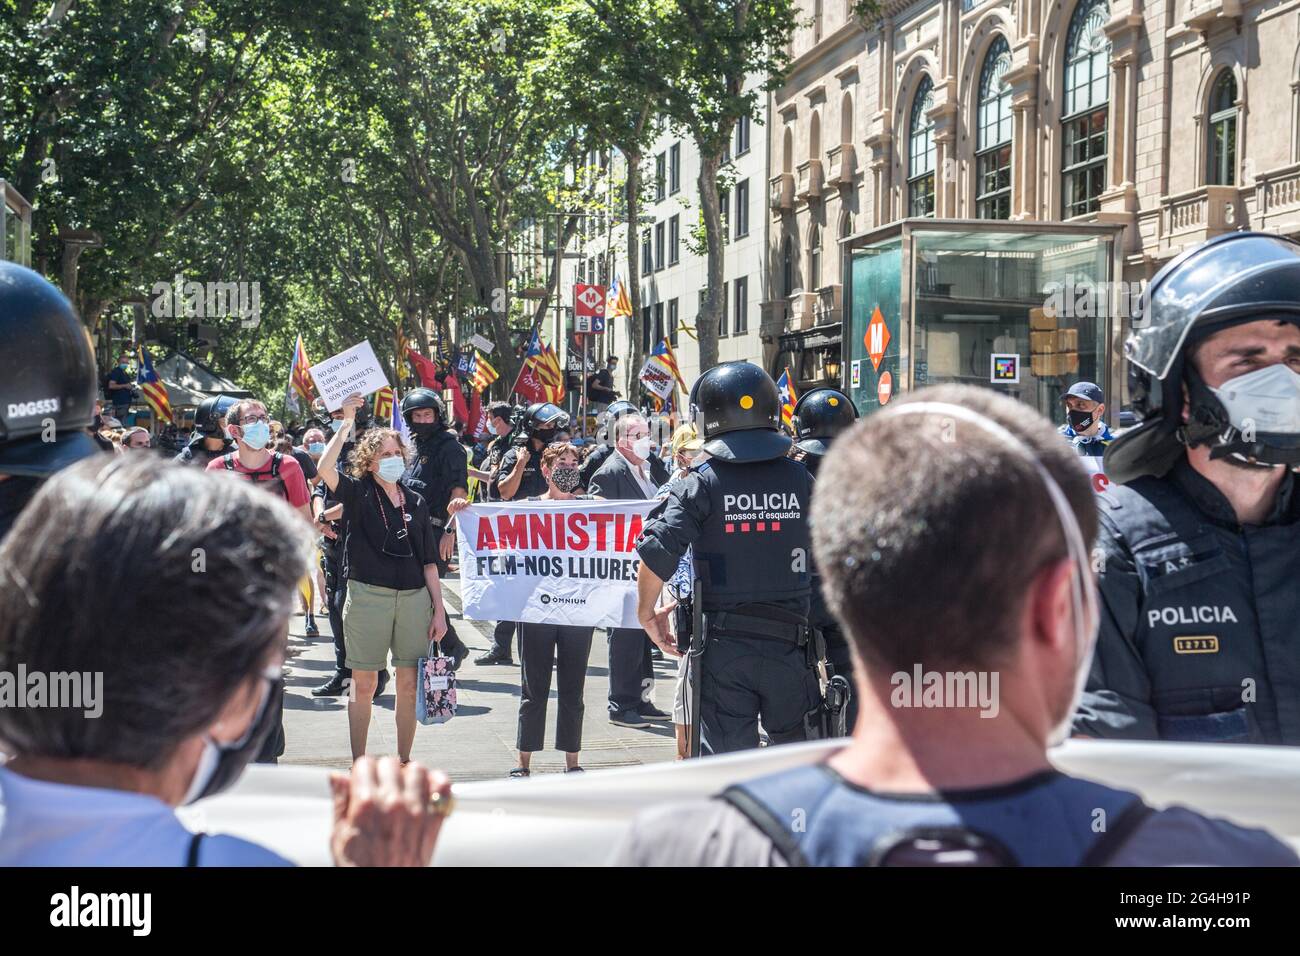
(452, 645)
(502, 635)
(744, 677)
(336, 592)
(631, 670)
(841, 661)
(568, 649)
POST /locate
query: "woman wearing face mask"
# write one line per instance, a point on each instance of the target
(546, 646)
(177, 718)
(394, 598)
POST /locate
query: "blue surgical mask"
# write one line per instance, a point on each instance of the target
(390, 469)
(316, 448)
(257, 434)
(336, 423)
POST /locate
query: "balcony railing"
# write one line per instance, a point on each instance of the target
(842, 164)
(781, 192)
(810, 179)
(1191, 217)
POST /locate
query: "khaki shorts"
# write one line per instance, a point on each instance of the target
(377, 620)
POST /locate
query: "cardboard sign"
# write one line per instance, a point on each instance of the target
(551, 562)
(483, 345)
(355, 370)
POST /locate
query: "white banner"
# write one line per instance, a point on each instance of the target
(657, 379)
(551, 562)
(354, 370)
(1093, 465)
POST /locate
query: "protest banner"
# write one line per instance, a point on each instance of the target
(354, 370)
(657, 379)
(551, 562)
(1096, 470)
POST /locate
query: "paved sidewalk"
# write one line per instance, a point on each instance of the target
(479, 742)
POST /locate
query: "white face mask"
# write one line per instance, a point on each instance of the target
(1266, 400)
(641, 447)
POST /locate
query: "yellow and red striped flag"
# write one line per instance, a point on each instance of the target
(785, 388)
(617, 304)
(152, 387)
(384, 404)
(540, 378)
(301, 386)
(484, 374)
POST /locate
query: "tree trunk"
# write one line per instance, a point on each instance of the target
(706, 328)
(635, 332)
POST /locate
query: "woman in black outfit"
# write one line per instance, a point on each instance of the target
(541, 644)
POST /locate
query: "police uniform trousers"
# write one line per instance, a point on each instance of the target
(841, 661)
(631, 669)
(336, 592)
(566, 649)
(451, 643)
(745, 677)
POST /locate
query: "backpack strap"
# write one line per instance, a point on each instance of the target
(228, 462)
(775, 830)
(192, 855)
(1116, 837)
(275, 464)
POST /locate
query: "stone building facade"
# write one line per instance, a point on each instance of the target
(1178, 119)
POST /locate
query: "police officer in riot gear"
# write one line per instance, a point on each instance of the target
(520, 473)
(819, 416)
(1199, 548)
(600, 454)
(210, 439)
(47, 387)
(441, 469)
(745, 513)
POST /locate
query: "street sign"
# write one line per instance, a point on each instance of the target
(588, 308)
(877, 338)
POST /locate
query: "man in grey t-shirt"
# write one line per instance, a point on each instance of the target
(952, 529)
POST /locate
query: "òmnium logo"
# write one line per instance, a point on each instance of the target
(551, 599)
(75, 908)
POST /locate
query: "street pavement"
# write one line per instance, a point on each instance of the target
(479, 742)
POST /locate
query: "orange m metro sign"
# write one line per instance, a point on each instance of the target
(877, 338)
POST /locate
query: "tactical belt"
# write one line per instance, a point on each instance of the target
(732, 623)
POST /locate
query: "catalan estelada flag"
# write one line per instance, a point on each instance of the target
(540, 379)
(483, 374)
(663, 355)
(785, 388)
(384, 404)
(616, 302)
(152, 387)
(298, 395)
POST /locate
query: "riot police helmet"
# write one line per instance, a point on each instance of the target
(211, 414)
(47, 377)
(736, 409)
(542, 417)
(423, 398)
(820, 415)
(1230, 280)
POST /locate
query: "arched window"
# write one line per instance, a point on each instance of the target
(1084, 107)
(993, 137)
(815, 136)
(787, 265)
(1221, 170)
(920, 152)
(787, 151)
(846, 118)
(815, 258)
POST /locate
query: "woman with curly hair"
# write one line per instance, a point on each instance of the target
(394, 601)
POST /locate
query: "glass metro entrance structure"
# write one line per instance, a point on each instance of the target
(1026, 308)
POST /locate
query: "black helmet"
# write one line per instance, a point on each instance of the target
(1232, 279)
(423, 398)
(737, 411)
(544, 416)
(209, 415)
(47, 373)
(819, 416)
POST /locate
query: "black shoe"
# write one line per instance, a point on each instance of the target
(336, 686)
(651, 712)
(379, 687)
(494, 657)
(628, 718)
(312, 630)
(656, 654)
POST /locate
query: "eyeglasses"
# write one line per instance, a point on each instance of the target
(255, 418)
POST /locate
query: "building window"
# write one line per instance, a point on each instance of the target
(742, 305)
(674, 240)
(722, 318)
(660, 176)
(675, 168)
(646, 313)
(742, 208)
(1086, 99)
(1222, 168)
(993, 156)
(672, 322)
(920, 152)
(815, 259)
(817, 21)
(659, 323)
(742, 136)
(787, 265)
(647, 256)
(659, 246)
(724, 211)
